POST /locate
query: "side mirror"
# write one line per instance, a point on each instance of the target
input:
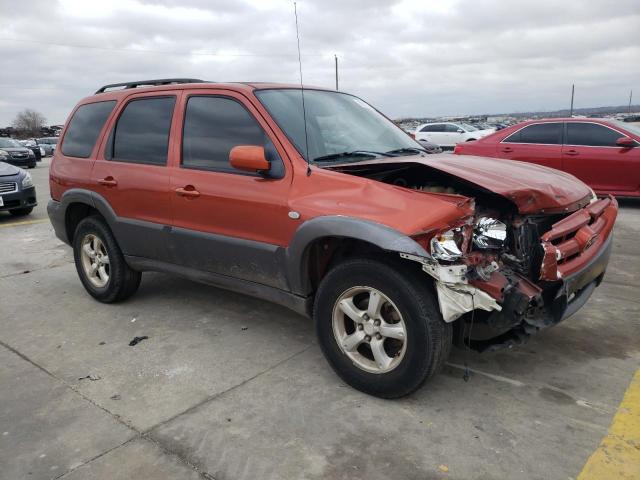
(249, 158)
(626, 142)
(460, 130)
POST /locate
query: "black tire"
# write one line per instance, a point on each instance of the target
(21, 212)
(428, 337)
(123, 280)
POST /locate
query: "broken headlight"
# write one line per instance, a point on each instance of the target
(446, 246)
(489, 233)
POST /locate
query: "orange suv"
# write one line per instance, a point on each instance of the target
(315, 200)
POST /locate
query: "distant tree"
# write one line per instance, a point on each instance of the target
(29, 122)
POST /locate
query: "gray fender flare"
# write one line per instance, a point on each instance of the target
(377, 234)
(87, 197)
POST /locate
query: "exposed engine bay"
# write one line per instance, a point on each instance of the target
(494, 268)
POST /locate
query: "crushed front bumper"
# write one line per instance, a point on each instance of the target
(576, 253)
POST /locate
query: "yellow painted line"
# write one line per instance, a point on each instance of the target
(618, 456)
(25, 222)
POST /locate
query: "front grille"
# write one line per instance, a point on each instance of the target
(8, 187)
(572, 241)
(19, 154)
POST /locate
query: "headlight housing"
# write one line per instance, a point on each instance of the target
(31, 154)
(27, 181)
(446, 246)
(4, 154)
(489, 233)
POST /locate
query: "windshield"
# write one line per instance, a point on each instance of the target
(338, 125)
(9, 143)
(469, 128)
(628, 126)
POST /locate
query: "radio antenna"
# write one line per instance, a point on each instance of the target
(304, 110)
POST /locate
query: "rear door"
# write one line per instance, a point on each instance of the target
(453, 135)
(231, 222)
(591, 154)
(539, 143)
(131, 173)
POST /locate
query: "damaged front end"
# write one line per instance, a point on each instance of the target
(518, 274)
(525, 256)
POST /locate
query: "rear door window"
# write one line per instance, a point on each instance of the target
(84, 128)
(591, 135)
(538, 133)
(141, 134)
(213, 126)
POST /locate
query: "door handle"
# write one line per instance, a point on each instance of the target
(572, 152)
(507, 149)
(108, 181)
(189, 191)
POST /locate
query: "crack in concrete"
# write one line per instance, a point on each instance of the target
(147, 434)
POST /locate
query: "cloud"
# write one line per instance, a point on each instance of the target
(405, 57)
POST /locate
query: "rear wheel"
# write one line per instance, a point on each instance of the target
(100, 263)
(379, 327)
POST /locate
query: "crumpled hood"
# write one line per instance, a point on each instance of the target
(532, 188)
(8, 170)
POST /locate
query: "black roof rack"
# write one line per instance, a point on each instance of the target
(149, 83)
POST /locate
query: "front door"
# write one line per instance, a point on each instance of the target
(131, 174)
(224, 220)
(591, 154)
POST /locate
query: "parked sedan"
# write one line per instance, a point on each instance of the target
(17, 192)
(37, 150)
(448, 134)
(603, 153)
(13, 152)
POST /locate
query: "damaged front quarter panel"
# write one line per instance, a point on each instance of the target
(455, 295)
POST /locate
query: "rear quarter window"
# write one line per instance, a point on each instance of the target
(84, 128)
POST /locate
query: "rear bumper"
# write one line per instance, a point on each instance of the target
(56, 216)
(24, 198)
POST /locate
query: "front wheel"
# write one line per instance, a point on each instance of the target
(100, 263)
(379, 327)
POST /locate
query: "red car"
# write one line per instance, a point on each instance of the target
(604, 154)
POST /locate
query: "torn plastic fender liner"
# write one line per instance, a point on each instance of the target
(455, 296)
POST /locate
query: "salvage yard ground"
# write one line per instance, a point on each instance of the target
(230, 387)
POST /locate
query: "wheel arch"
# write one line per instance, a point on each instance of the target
(79, 203)
(318, 242)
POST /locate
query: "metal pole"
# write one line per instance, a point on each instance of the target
(630, 97)
(572, 91)
(336, 57)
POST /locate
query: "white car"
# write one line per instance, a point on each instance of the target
(448, 134)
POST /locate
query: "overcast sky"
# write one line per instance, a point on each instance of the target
(408, 58)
